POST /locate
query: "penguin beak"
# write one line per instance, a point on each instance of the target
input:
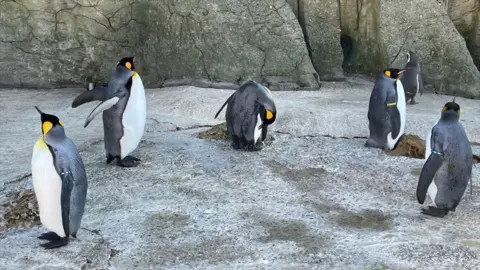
(401, 71)
(38, 110)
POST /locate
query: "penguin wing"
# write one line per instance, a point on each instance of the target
(391, 104)
(62, 167)
(107, 104)
(97, 93)
(431, 166)
(421, 87)
(70, 167)
(264, 132)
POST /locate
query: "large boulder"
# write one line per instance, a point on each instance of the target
(68, 43)
(424, 26)
(465, 15)
(320, 20)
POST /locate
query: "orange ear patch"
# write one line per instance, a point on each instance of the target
(128, 65)
(388, 73)
(269, 115)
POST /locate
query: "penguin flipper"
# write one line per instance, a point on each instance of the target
(107, 104)
(97, 93)
(430, 168)
(221, 108)
(264, 132)
(394, 119)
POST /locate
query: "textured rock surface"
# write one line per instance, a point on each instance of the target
(320, 20)
(67, 43)
(360, 25)
(425, 27)
(310, 200)
(465, 15)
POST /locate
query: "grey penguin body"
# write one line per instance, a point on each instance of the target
(114, 97)
(386, 112)
(412, 78)
(249, 112)
(67, 166)
(448, 166)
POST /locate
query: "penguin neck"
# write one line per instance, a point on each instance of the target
(55, 135)
(450, 116)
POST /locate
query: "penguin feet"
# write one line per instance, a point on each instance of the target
(56, 244)
(127, 162)
(131, 158)
(413, 102)
(50, 236)
(254, 147)
(435, 212)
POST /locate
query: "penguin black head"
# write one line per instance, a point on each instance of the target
(48, 121)
(451, 106)
(127, 62)
(393, 73)
(269, 116)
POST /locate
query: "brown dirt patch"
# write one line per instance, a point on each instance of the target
(217, 132)
(22, 210)
(409, 146)
(367, 219)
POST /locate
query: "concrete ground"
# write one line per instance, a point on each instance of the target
(310, 200)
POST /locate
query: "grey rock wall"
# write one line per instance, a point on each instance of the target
(285, 44)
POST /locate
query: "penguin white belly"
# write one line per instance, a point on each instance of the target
(258, 131)
(134, 117)
(402, 109)
(48, 187)
(432, 188)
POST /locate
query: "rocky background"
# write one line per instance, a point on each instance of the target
(288, 45)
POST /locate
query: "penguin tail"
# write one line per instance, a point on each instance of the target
(221, 108)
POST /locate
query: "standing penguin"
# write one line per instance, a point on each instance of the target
(448, 164)
(412, 78)
(250, 110)
(386, 111)
(59, 182)
(124, 112)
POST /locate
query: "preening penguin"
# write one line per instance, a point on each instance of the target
(124, 112)
(386, 111)
(448, 164)
(59, 182)
(250, 111)
(412, 78)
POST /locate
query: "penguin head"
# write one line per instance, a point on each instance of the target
(393, 73)
(268, 113)
(128, 62)
(412, 57)
(451, 108)
(49, 121)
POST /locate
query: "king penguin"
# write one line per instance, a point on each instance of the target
(124, 112)
(412, 78)
(386, 111)
(448, 164)
(250, 111)
(59, 182)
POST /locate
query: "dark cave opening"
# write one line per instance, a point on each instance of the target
(346, 42)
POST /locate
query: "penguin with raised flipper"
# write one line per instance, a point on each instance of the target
(448, 164)
(386, 111)
(412, 78)
(124, 112)
(250, 111)
(59, 182)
